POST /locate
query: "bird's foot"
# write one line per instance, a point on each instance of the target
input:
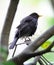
(27, 40)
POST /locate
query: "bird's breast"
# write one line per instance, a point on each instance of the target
(33, 28)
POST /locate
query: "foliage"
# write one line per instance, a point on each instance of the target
(46, 44)
(8, 63)
(3, 52)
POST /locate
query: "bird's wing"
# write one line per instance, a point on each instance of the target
(22, 26)
(24, 29)
(23, 21)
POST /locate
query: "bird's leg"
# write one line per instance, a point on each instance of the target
(27, 40)
(14, 50)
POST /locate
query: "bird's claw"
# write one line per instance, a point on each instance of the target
(27, 41)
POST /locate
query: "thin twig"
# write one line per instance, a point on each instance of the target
(14, 50)
(40, 62)
(47, 60)
(44, 61)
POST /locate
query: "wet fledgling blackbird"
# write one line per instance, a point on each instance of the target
(27, 28)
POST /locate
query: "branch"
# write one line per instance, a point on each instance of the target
(33, 54)
(34, 62)
(39, 58)
(8, 23)
(52, 2)
(40, 62)
(19, 59)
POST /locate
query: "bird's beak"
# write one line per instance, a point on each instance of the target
(40, 15)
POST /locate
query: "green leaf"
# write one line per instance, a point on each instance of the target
(9, 63)
(46, 44)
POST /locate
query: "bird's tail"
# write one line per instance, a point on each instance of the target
(15, 40)
(13, 43)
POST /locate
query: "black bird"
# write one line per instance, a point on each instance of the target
(27, 27)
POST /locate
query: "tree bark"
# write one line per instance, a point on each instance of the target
(52, 2)
(8, 22)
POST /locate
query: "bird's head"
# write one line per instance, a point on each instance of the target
(35, 15)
